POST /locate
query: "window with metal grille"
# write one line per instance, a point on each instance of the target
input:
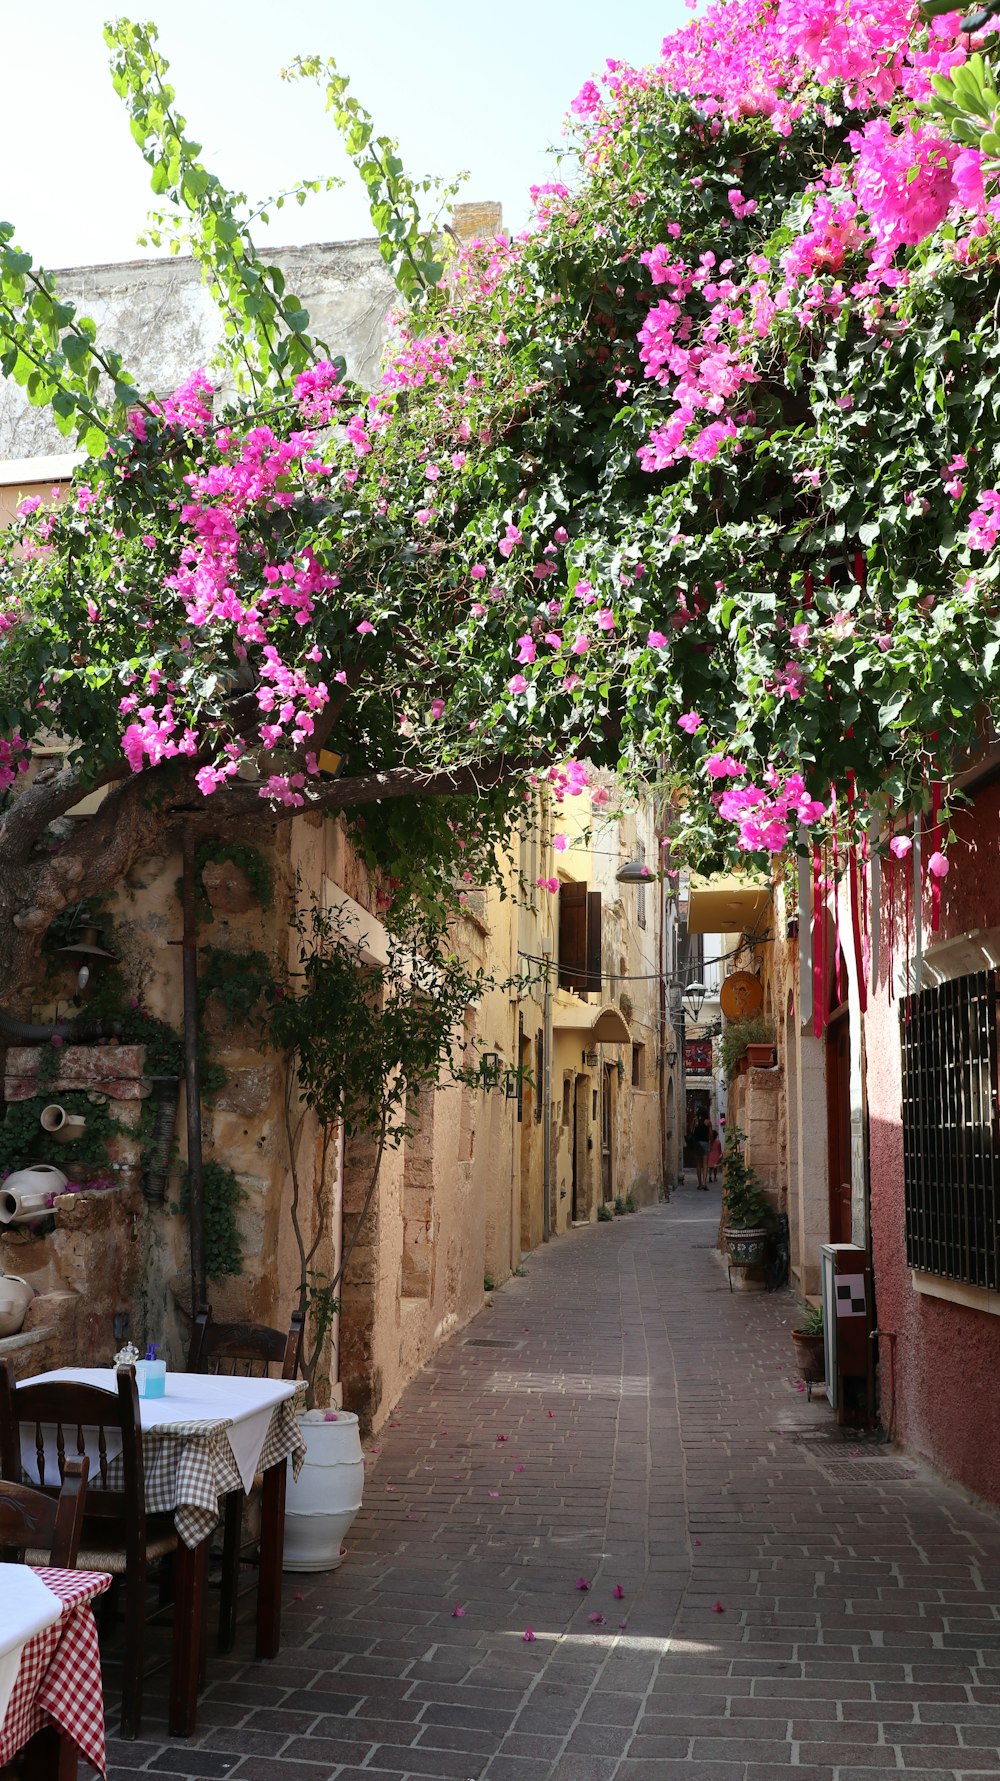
(951, 1155)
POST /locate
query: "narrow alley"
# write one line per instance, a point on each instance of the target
(758, 1597)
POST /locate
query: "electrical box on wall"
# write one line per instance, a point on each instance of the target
(848, 1321)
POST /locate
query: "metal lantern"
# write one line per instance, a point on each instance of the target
(87, 954)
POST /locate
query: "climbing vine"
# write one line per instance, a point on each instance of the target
(222, 1197)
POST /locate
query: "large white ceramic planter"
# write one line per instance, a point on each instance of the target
(28, 1192)
(322, 1504)
(15, 1297)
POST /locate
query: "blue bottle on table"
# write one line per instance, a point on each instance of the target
(151, 1375)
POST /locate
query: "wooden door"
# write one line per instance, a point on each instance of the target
(838, 1106)
(607, 1161)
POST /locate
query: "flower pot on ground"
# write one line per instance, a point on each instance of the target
(810, 1346)
(321, 1505)
(745, 1208)
(745, 1246)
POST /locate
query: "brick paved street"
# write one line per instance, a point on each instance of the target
(618, 1416)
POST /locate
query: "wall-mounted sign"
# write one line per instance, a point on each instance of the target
(741, 995)
(697, 1057)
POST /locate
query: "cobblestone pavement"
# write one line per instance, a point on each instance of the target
(618, 1417)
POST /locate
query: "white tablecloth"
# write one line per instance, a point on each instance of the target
(26, 1608)
(206, 1437)
(194, 1402)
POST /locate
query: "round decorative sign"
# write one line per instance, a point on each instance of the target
(741, 996)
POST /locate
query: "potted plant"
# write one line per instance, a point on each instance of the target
(359, 1043)
(747, 1042)
(809, 1345)
(745, 1208)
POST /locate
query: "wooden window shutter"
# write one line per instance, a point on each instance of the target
(573, 926)
(594, 942)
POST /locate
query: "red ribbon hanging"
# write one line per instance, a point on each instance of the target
(907, 878)
(866, 943)
(890, 873)
(807, 598)
(838, 987)
(819, 923)
(852, 875)
(935, 838)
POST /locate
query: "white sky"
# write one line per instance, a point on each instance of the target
(462, 86)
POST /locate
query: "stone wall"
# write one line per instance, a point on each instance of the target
(160, 316)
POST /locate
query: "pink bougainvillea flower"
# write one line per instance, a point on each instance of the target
(618, 1592)
(437, 708)
(509, 541)
(458, 1613)
(622, 1625)
(517, 684)
(519, 1468)
(689, 721)
(900, 845)
(938, 865)
(365, 628)
(656, 640)
(548, 884)
(581, 1583)
(560, 843)
(596, 1619)
(503, 1437)
(528, 1636)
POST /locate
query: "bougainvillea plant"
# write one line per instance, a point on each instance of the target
(701, 468)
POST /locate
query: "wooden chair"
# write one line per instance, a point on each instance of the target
(248, 1351)
(31, 1521)
(118, 1535)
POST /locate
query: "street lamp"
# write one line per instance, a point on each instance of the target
(634, 872)
(694, 996)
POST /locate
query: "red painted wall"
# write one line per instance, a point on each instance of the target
(947, 1358)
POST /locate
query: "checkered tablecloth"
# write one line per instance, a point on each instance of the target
(59, 1680)
(190, 1465)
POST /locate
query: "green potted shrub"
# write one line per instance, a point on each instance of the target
(750, 1040)
(809, 1345)
(745, 1208)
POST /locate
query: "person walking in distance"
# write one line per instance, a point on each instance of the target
(701, 1143)
(714, 1156)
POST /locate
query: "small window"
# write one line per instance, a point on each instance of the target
(638, 1066)
(579, 938)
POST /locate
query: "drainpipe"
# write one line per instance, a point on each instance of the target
(192, 1084)
(547, 1092)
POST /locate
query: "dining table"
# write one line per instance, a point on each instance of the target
(209, 1434)
(51, 1698)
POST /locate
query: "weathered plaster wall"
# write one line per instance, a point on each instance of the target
(159, 315)
(938, 1377)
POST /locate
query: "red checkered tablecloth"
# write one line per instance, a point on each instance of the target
(59, 1681)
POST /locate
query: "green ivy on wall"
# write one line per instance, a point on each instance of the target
(221, 1197)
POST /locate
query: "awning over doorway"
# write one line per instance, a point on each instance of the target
(603, 1026)
(726, 905)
